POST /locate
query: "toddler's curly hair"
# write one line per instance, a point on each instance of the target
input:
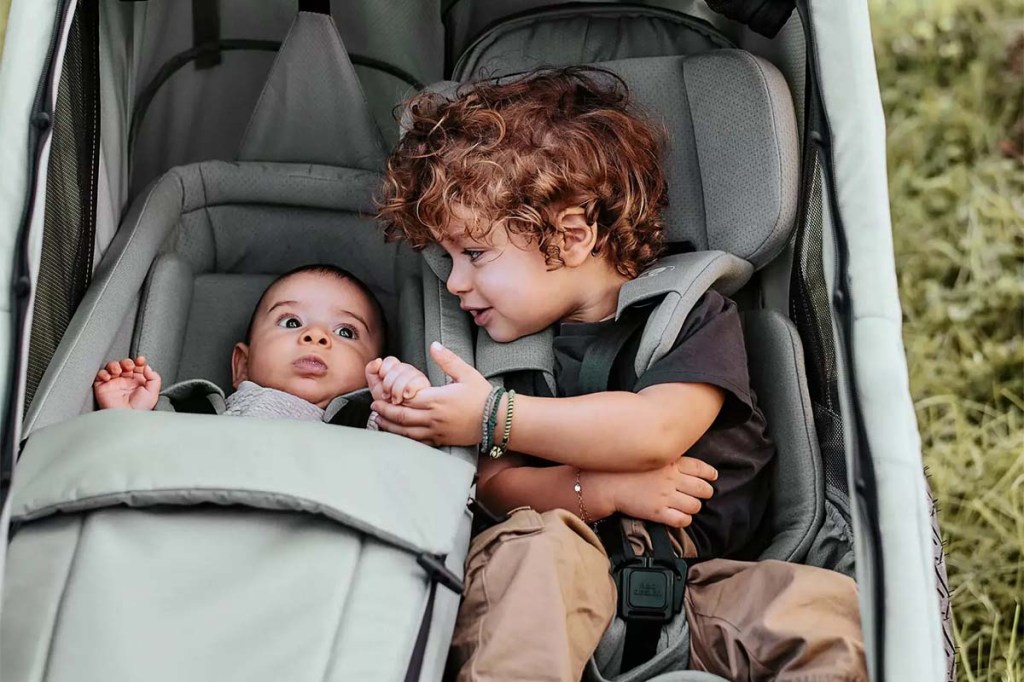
(520, 150)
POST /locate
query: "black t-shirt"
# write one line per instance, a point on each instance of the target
(708, 350)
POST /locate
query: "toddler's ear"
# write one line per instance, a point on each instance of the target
(578, 238)
(239, 364)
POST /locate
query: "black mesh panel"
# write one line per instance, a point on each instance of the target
(69, 223)
(810, 311)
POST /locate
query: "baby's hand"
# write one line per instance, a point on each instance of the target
(394, 381)
(128, 384)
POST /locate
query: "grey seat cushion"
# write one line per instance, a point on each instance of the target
(776, 363)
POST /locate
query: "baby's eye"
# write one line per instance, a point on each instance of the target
(347, 332)
(289, 322)
(473, 254)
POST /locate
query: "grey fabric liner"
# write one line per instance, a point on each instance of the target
(312, 107)
(172, 572)
(832, 547)
(682, 279)
(776, 365)
(346, 475)
(610, 32)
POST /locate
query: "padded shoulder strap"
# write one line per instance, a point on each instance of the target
(679, 281)
(195, 396)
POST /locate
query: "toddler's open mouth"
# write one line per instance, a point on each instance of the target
(480, 315)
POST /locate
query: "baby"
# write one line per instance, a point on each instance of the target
(309, 341)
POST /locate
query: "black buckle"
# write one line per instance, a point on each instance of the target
(650, 588)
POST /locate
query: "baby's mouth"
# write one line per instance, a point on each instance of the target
(310, 364)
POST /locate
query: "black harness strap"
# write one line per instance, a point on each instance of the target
(419, 650)
(598, 360)
(641, 642)
(206, 29)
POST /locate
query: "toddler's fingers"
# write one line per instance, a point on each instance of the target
(697, 487)
(373, 366)
(114, 368)
(675, 518)
(128, 365)
(696, 467)
(103, 376)
(686, 503)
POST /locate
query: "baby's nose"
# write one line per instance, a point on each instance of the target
(317, 336)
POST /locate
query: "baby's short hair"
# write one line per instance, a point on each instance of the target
(325, 270)
(521, 149)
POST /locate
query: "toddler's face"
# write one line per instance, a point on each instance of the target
(507, 286)
(312, 336)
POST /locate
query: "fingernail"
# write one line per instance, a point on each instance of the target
(436, 345)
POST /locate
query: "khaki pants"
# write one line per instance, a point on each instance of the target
(539, 597)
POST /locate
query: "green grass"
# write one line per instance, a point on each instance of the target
(952, 80)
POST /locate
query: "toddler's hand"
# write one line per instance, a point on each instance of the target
(671, 495)
(394, 381)
(128, 384)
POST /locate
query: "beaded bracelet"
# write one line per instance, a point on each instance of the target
(490, 418)
(499, 450)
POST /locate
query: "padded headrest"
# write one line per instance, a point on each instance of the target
(733, 163)
(312, 108)
(733, 158)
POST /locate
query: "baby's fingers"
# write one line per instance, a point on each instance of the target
(103, 376)
(387, 364)
(415, 385)
(400, 386)
(114, 368)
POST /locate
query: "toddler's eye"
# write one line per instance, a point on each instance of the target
(346, 332)
(473, 254)
(289, 322)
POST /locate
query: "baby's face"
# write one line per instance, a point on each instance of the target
(312, 336)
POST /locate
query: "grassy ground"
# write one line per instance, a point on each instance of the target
(952, 79)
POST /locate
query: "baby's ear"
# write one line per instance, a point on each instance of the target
(239, 364)
(578, 237)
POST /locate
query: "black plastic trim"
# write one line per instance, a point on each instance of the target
(865, 481)
(451, 61)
